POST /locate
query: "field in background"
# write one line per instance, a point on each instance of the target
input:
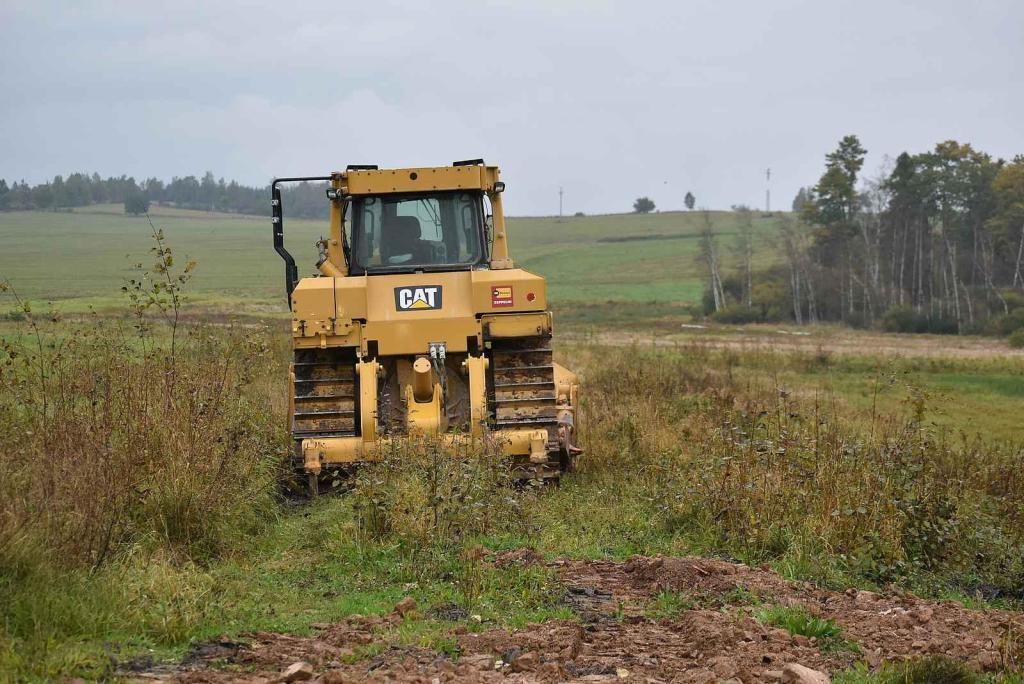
(598, 267)
(608, 275)
(87, 255)
(629, 257)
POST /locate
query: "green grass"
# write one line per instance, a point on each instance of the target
(669, 605)
(928, 670)
(318, 564)
(305, 569)
(86, 255)
(975, 397)
(645, 410)
(796, 620)
(584, 265)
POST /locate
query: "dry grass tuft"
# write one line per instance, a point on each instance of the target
(746, 468)
(111, 442)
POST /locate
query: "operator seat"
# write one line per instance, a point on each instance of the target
(400, 240)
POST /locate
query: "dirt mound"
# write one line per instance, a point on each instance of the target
(640, 578)
(884, 627)
(526, 556)
(701, 646)
(713, 636)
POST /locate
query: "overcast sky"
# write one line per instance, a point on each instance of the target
(610, 100)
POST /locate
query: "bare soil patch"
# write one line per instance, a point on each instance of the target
(715, 638)
(848, 342)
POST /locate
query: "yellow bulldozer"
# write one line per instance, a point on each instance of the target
(418, 323)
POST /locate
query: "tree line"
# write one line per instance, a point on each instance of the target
(933, 243)
(205, 193)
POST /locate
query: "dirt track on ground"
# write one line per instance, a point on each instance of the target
(616, 637)
(854, 343)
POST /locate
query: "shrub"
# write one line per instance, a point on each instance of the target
(136, 203)
(738, 314)
(903, 319)
(107, 447)
(1007, 324)
(426, 492)
(742, 468)
(1016, 339)
(643, 205)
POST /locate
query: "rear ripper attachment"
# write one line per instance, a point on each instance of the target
(323, 398)
(419, 323)
(523, 395)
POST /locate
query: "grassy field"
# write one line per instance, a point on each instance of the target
(828, 469)
(589, 261)
(969, 387)
(87, 255)
(845, 458)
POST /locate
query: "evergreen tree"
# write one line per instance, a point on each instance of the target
(804, 196)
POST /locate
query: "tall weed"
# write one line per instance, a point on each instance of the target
(427, 492)
(743, 467)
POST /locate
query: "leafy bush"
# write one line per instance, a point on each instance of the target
(1008, 323)
(904, 319)
(135, 203)
(738, 314)
(1016, 338)
(643, 205)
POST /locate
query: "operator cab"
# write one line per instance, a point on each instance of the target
(398, 221)
(409, 232)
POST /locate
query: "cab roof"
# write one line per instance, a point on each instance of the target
(467, 175)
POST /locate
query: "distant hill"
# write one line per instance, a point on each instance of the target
(625, 259)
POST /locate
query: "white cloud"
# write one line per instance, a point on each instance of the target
(608, 99)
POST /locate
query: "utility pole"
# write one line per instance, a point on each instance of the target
(768, 191)
(559, 202)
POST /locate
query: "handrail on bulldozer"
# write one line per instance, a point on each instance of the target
(291, 271)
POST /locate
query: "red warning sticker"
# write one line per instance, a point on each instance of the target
(501, 295)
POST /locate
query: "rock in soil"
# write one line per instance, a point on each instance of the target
(297, 672)
(405, 606)
(794, 673)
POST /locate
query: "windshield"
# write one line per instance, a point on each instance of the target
(409, 232)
